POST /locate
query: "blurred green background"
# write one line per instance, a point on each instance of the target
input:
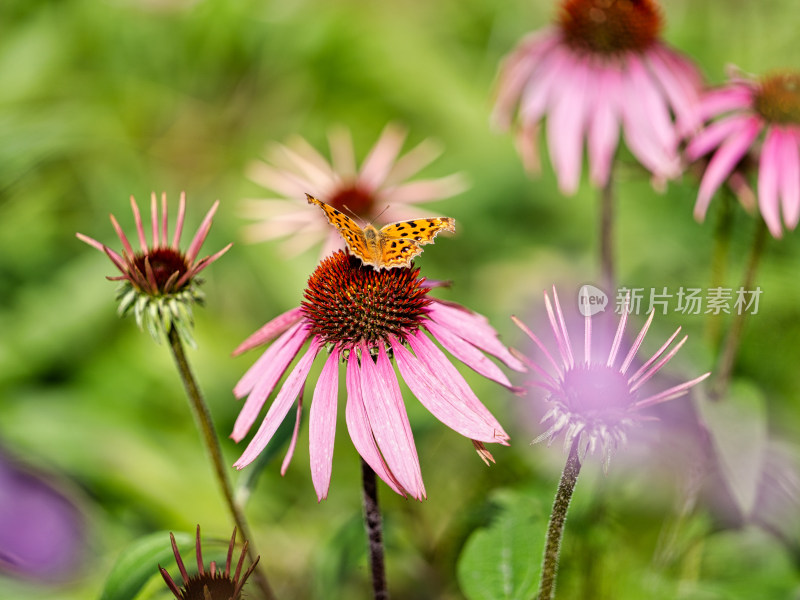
(103, 99)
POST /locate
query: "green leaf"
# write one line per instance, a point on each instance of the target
(503, 561)
(139, 562)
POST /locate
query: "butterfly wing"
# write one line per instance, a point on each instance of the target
(353, 234)
(402, 241)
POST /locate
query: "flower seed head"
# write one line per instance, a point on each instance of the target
(778, 98)
(610, 26)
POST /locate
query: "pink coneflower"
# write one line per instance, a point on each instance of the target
(212, 584)
(159, 282)
(601, 67)
(596, 400)
(743, 110)
(365, 317)
(380, 185)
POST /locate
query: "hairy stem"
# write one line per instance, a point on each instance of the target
(372, 522)
(555, 529)
(202, 418)
(729, 351)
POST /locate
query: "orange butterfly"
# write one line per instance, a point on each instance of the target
(393, 245)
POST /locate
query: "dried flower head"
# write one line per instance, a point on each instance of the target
(159, 283)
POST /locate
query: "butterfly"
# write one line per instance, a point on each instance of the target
(393, 245)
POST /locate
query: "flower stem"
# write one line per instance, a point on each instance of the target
(719, 259)
(731, 348)
(372, 521)
(606, 233)
(202, 418)
(555, 529)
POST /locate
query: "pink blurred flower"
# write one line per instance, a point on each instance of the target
(602, 67)
(365, 317)
(159, 282)
(379, 186)
(595, 400)
(758, 117)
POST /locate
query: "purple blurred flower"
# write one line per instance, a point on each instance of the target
(159, 282)
(379, 186)
(758, 117)
(364, 318)
(596, 400)
(602, 67)
(42, 532)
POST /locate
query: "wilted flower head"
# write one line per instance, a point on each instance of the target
(760, 117)
(212, 584)
(594, 401)
(159, 282)
(365, 318)
(379, 185)
(601, 67)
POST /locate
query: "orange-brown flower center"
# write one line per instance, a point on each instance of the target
(353, 199)
(778, 98)
(347, 302)
(610, 26)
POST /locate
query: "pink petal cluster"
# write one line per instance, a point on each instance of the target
(375, 413)
(735, 129)
(649, 95)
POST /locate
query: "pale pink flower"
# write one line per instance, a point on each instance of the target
(596, 400)
(761, 118)
(380, 186)
(364, 318)
(159, 281)
(600, 69)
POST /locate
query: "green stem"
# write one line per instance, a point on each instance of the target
(729, 351)
(202, 418)
(719, 260)
(555, 529)
(606, 234)
(372, 522)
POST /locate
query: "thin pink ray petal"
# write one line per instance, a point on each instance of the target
(657, 366)
(671, 393)
(478, 418)
(322, 425)
(269, 331)
(280, 407)
(176, 238)
(587, 339)
(115, 258)
(768, 181)
(343, 159)
(474, 328)
(379, 161)
(729, 98)
(389, 421)
(154, 219)
(263, 376)
(202, 264)
(637, 343)
(559, 329)
(722, 163)
(122, 238)
(295, 432)
(681, 83)
(310, 163)
(201, 234)
(164, 221)
(556, 366)
(467, 353)
(358, 426)
(539, 91)
(623, 321)
(137, 217)
(653, 104)
(425, 190)
(566, 123)
(291, 185)
(714, 134)
(413, 161)
(789, 174)
(633, 378)
(603, 130)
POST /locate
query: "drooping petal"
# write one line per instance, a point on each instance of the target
(358, 426)
(539, 90)
(789, 174)
(295, 432)
(768, 182)
(280, 407)
(389, 421)
(730, 98)
(322, 425)
(603, 128)
(467, 353)
(474, 328)
(722, 163)
(714, 134)
(681, 83)
(268, 332)
(263, 376)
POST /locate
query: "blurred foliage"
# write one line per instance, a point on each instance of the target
(103, 99)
